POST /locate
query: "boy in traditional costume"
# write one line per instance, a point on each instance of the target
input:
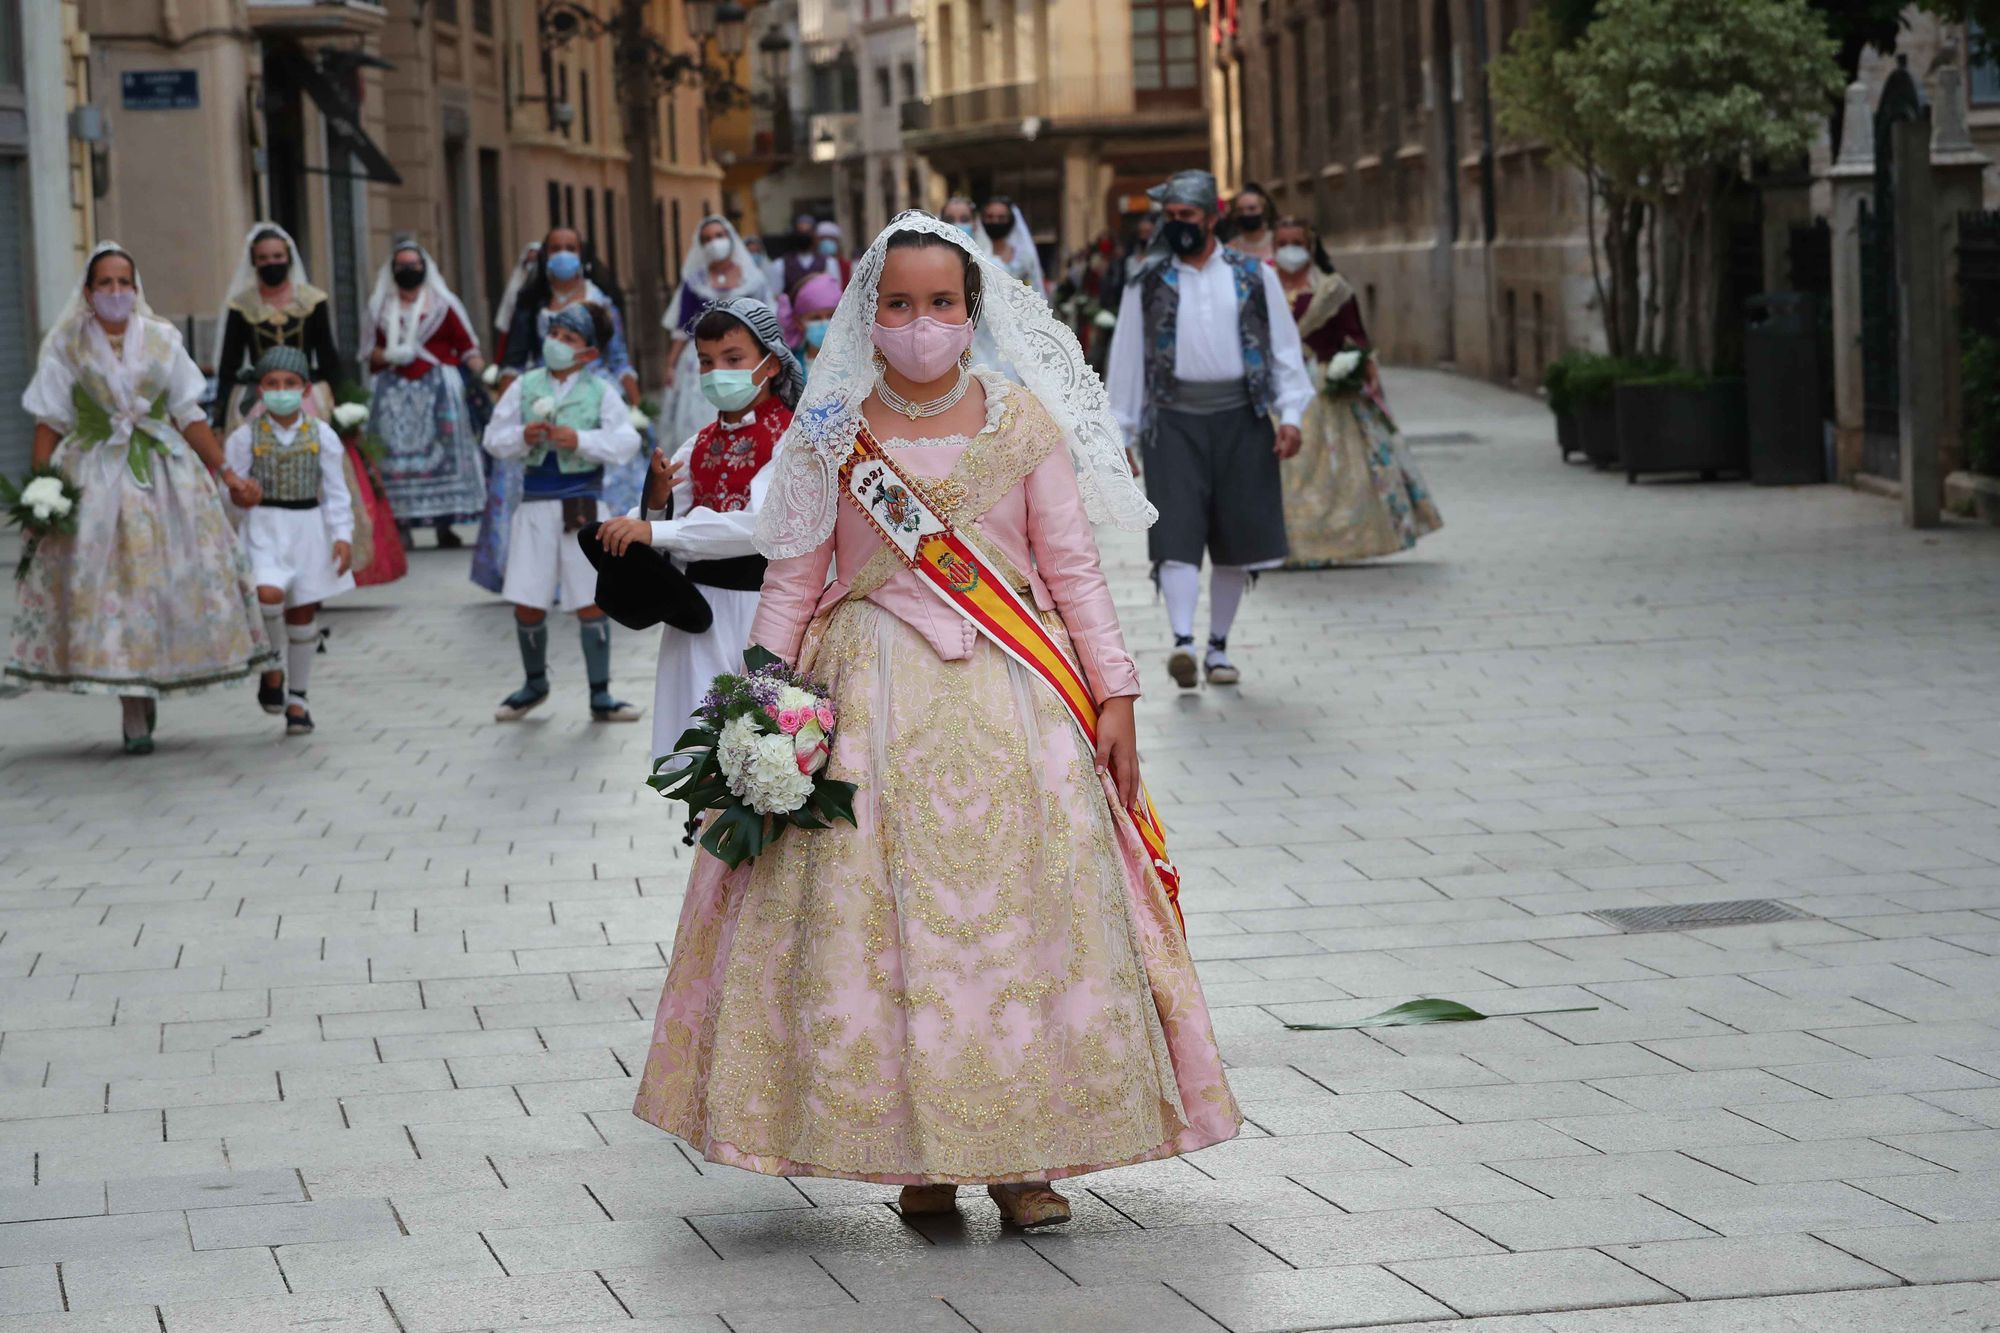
(701, 504)
(567, 426)
(298, 523)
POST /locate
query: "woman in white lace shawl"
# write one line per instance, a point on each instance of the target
(980, 981)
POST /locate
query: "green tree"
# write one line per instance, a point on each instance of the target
(1675, 97)
(1533, 101)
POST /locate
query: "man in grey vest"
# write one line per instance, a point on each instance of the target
(1207, 377)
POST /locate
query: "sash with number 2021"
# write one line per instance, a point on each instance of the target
(950, 567)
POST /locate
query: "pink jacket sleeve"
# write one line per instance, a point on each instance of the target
(791, 594)
(1066, 558)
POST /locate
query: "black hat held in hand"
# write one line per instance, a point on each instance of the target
(641, 588)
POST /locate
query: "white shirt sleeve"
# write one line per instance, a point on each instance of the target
(1291, 384)
(709, 534)
(48, 394)
(336, 506)
(185, 386)
(1126, 371)
(504, 438)
(615, 440)
(236, 451)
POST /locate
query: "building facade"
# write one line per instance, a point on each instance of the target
(469, 124)
(884, 177)
(47, 199)
(1369, 119)
(1071, 108)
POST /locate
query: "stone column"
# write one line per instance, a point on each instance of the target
(1921, 344)
(1957, 171)
(1853, 182)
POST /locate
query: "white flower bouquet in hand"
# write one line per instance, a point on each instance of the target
(542, 409)
(42, 505)
(757, 756)
(1347, 373)
(350, 417)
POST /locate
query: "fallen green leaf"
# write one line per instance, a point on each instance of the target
(1414, 1012)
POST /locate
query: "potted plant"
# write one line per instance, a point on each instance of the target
(1679, 421)
(1980, 381)
(1562, 402)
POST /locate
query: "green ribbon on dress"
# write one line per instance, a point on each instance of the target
(93, 426)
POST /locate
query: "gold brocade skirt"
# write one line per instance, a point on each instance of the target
(980, 980)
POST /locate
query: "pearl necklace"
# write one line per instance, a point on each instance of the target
(895, 402)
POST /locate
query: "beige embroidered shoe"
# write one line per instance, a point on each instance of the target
(1030, 1205)
(927, 1200)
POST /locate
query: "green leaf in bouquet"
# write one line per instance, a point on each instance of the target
(1415, 1012)
(833, 800)
(756, 657)
(737, 834)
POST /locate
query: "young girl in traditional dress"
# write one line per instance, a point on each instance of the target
(982, 980)
(1352, 492)
(416, 336)
(701, 504)
(717, 266)
(299, 524)
(152, 595)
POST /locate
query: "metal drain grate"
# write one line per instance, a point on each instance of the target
(1444, 437)
(1698, 916)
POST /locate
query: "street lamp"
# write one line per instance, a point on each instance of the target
(701, 15)
(731, 29)
(774, 51)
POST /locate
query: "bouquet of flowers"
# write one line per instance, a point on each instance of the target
(1347, 373)
(43, 504)
(756, 757)
(349, 418)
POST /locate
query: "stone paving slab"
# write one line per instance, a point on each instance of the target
(339, 1033)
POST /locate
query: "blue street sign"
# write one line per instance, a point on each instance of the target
(160, 89)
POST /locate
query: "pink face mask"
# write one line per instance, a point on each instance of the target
(114, 307)
(924, 350)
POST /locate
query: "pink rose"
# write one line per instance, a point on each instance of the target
(790, 719)
(825, 715)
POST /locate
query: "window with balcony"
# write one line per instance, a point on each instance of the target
(906, 74)
(445, 11)
(885, 93)
(1335, 80)
(1369, 54)
(1166, 62)
(1303, 136)
(482, 17)
(583, 101)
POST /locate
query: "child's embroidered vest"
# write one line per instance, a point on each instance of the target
(289, 473)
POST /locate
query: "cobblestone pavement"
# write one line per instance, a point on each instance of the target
(341, 1033)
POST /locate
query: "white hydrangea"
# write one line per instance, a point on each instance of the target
(45, 500)
(791, 697)
(348, 416)
(542, 408)
(761, 770)
(638, 419)
(1343, 364)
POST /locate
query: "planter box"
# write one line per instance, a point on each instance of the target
(1567, 435)
(1672, 428)
(1597, 432)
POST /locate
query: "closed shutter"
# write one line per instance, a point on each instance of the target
(17, 321)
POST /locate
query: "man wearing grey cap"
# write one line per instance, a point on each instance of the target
(1206, 375)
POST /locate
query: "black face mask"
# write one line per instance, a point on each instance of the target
(1250, 222)
(999, 226)
(1184, 238)
(409, 279)
(274, 275)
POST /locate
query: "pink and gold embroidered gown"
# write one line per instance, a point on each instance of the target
(982, 979)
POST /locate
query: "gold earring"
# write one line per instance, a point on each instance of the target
(965, 359)
(881, 362)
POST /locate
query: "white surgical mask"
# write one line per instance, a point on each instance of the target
(718, 249)
(1292, 258)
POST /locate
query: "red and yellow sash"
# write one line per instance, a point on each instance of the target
(949, 566)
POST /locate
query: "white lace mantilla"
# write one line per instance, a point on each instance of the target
(799, 512)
